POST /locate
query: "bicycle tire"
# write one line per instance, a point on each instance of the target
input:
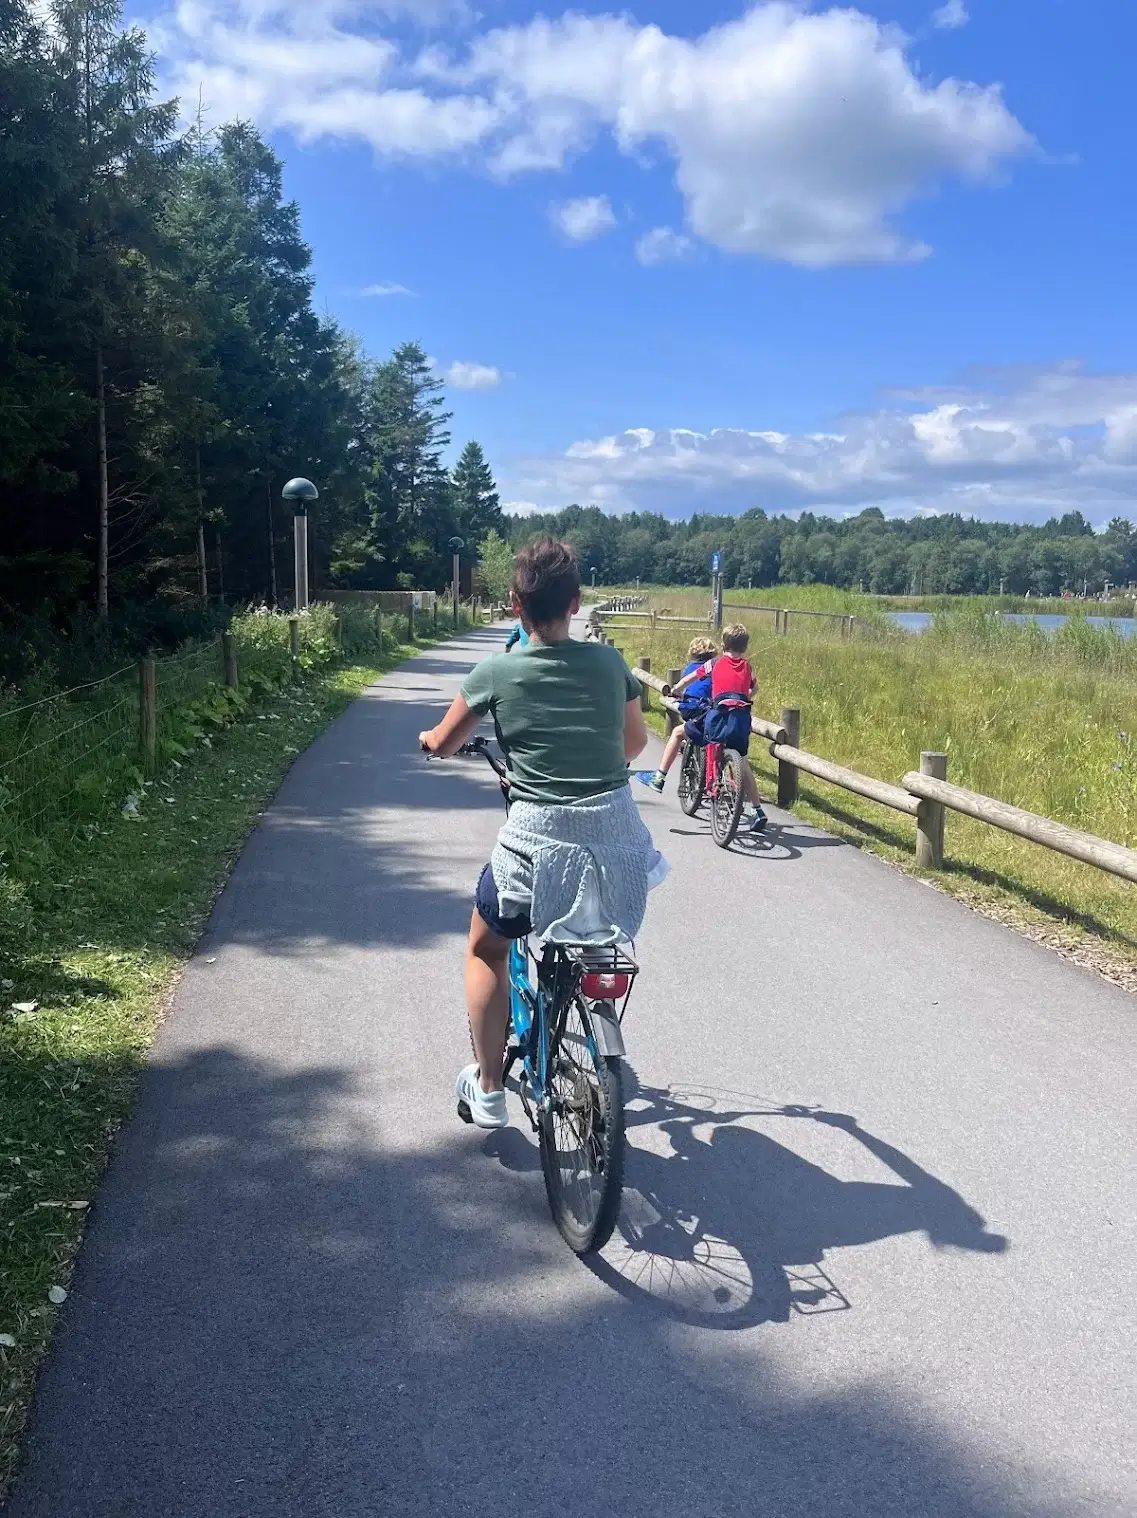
(585, 1221)
(692, 777)
(726, 809)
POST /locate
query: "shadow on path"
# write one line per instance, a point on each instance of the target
(724, 1227)
(273, 1318)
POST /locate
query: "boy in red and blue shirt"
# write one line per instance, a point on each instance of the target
(730, 694)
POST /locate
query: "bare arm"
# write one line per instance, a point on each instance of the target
(635, 730)
(457, 727)
(681, 685)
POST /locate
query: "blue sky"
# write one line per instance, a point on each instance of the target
(718, 256)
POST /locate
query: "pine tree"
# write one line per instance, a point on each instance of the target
(38, 406)
(412, 511)
(126, 155)
(477, 508)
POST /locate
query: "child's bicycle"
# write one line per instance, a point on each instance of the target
(566, 1043)
(716, 773)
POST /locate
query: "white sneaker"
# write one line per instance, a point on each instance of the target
(487, 1108)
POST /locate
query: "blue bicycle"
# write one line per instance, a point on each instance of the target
(567, 1004)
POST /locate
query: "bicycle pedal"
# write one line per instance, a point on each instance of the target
(464, 1112)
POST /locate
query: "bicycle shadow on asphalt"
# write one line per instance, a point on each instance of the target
(778, 844)
(724, 1227)
(276, 1314)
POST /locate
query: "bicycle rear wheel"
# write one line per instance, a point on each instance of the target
(582, 1137)
(692, 777)
(726, 809)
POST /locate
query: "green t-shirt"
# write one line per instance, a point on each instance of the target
(559, 712)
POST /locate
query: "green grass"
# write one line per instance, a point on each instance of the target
(95, 926)
(1038, 720)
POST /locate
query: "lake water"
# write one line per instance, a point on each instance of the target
(917, 621)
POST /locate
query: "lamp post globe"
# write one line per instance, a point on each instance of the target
(300, 493)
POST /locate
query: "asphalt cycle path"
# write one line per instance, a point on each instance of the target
(876, 1255)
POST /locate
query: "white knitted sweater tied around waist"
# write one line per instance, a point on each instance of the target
(581, 872)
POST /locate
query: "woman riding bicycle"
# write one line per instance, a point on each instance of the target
(574, 861)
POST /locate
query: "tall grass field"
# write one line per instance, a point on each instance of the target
(1045, 721)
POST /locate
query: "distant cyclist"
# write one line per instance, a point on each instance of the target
(725, 716)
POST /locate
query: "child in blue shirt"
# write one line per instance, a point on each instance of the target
(697, 697)
(694, 704)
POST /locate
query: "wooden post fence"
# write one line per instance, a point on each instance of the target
(645, 699)
(788, 773)
(673, 678)
(148, 715)
(229, 660)
(930, 817)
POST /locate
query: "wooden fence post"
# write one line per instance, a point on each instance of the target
(930, 818)
(645, 691)
(411, 621)
(673, 678)
(788, 773)
(229, 657)
(294, 645)
(379, 627)
(148, 715)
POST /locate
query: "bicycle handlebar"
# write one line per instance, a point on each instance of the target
(477, 748)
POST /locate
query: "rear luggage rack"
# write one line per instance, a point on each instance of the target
(602, 972)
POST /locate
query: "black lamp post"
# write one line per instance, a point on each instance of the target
(300, 493)
(456, 546)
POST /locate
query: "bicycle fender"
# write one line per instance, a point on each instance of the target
(606, 1029)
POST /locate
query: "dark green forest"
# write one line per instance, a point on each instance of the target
(162, 369)
(932, 555)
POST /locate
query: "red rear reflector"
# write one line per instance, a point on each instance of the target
(604, 987)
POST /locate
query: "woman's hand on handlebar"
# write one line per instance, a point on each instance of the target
(426, 742)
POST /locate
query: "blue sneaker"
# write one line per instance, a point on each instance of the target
(759, 821)
(655, 780)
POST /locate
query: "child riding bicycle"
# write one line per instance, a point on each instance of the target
(574, 861)
(726, 685)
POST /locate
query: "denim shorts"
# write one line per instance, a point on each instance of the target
(489, 910)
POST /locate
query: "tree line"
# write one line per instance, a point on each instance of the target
(162, 369)
(932, 555)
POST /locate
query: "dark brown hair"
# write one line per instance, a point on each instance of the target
(735, 638)
(546, 581)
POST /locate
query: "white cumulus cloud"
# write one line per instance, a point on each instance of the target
(1016, 444)
(951, 17)
(384, 289)
(582, 220)
(791, 133)
(465, 376)
(663, 245)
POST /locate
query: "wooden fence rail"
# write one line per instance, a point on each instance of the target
(1115, 858)
(924, 796)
